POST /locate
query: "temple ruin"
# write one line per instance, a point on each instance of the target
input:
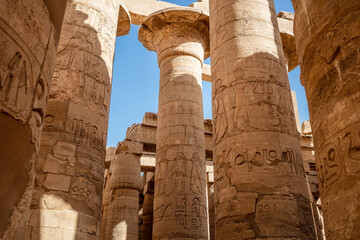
(251, 172)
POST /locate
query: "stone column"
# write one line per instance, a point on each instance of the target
(125, 186)
(211, 211)
(105, 208)
(69, 181)
(179, 36)
(327, 36)
(260, 184)
(29, 34)
(148, 207)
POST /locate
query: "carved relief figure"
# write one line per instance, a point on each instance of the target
(196, 184)
(16, 78)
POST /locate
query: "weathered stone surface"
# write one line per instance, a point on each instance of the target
(72, 153)
(29, 33)
(327, 36)
(256, 146)
(180, 37)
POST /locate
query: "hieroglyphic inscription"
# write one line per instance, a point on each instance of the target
(329, 165)
(258, 159)
(277, 215)
(341, 155)
(87, 133)
(180, 211)
(196, 213)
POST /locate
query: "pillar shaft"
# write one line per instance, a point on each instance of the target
(180, 207)
(148, 209)
(125, 185)
(69, 181)
(105, 208)
(328, 38)
(260, 185)
(29, 33)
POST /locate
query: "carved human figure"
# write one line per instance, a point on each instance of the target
(327, 36)
(180, 38)
(257, 166)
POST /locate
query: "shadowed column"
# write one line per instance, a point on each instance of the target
(67, 197)
(327, 36)
(148, 207)
(179, 36)
(260, 186)
(29, 34)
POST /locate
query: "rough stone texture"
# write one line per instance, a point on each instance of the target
(327, 36)
(29, 33)
(125, 185)
(260, 185)
(70, 168)
(180, 37)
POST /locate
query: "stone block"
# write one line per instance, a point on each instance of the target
(69, 220)
(50, 218)
(54, 165)
(65, 148)
(227, 194)
(130, 147)
(306, 128)
(57, 182)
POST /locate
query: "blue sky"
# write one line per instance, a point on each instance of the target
(135, 84)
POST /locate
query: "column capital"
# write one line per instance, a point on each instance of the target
(124, 21)
(176, 31)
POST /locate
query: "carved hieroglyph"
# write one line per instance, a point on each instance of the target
(28, 40)
(125, 185)
(260, 185)
(67, 196)
(327, 35)
(180, 37)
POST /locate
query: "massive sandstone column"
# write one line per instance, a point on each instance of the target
(69, 181)
(260, 185)
(125, 185)
(179, 36)
(327, 35)
(29, 33)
